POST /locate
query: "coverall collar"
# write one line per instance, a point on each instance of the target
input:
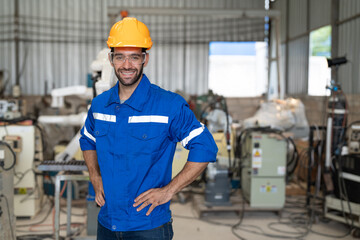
(137, 99)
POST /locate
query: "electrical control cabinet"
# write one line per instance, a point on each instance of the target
(27, 186)
(12, 108)
(7, 218)
(264, 170)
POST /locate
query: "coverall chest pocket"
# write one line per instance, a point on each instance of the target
(147, 137)
(101, 129)
(101, 134)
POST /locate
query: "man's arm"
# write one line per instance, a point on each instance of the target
(158, 196)
(92, 164)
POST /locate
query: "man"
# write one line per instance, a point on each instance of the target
(129, 139)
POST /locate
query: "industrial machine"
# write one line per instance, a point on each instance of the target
(342, 201)
(354, 139)
(336, 124)
(25, 140)
(218, 182)
(218, 175)
(7, 218)
(344, 204)
(12, 108)
(218, 186)
(336, 116)
(103, 79)
(263, 164)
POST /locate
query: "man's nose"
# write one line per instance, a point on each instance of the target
(127, 63)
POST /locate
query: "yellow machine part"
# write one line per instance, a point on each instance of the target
(220, 140)
(60, 148)
(181, 154)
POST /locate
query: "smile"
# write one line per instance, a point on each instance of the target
(127, 72)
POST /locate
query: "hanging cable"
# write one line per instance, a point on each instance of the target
(2, 163)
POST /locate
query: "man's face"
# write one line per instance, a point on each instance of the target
(128, 72)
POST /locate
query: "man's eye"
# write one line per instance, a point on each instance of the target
(135, 58)
(119, 57)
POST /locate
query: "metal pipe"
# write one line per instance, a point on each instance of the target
(311, 144)
(307, 50)
(63, 177)
(348, 19)
(57, 207)
(17, 44)
(335, 5)
(328, 143)
(68, 202)
(184, 55)
(280, 87)
(224, 13)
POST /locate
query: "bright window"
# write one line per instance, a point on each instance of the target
(320, 50)
(238, 69)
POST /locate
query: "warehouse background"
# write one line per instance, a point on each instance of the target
(57, 41)
(298, 19)
(49, 44)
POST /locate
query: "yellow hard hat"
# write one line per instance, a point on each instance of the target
(129, 32)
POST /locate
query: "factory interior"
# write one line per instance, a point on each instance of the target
(276, 83)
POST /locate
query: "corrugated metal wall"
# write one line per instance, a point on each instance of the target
(297, 74)
(320, 13)
(295, 46)
(297, 17)
(273, 78)
(59, 40)
(349, 45)
(302, 17)
(7, 46)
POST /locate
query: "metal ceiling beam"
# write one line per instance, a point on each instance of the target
(223, 13)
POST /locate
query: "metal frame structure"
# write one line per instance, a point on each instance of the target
(244, 13)
(334, 206)
(65, 177)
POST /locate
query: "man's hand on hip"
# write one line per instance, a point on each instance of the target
(153, 197)
(158, 196)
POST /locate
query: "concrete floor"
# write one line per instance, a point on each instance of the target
(196, 229)
(188, 226)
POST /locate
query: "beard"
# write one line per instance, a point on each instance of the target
(132, 81)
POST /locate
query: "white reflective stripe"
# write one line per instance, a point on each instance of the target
(148, 118)
(337, 111)
(89, 135)
(192, 134)
(351, 177)
(104, 117)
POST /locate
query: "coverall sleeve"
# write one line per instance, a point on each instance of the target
(87, 139)
(193, 135)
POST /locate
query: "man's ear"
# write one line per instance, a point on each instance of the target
(146, 59)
